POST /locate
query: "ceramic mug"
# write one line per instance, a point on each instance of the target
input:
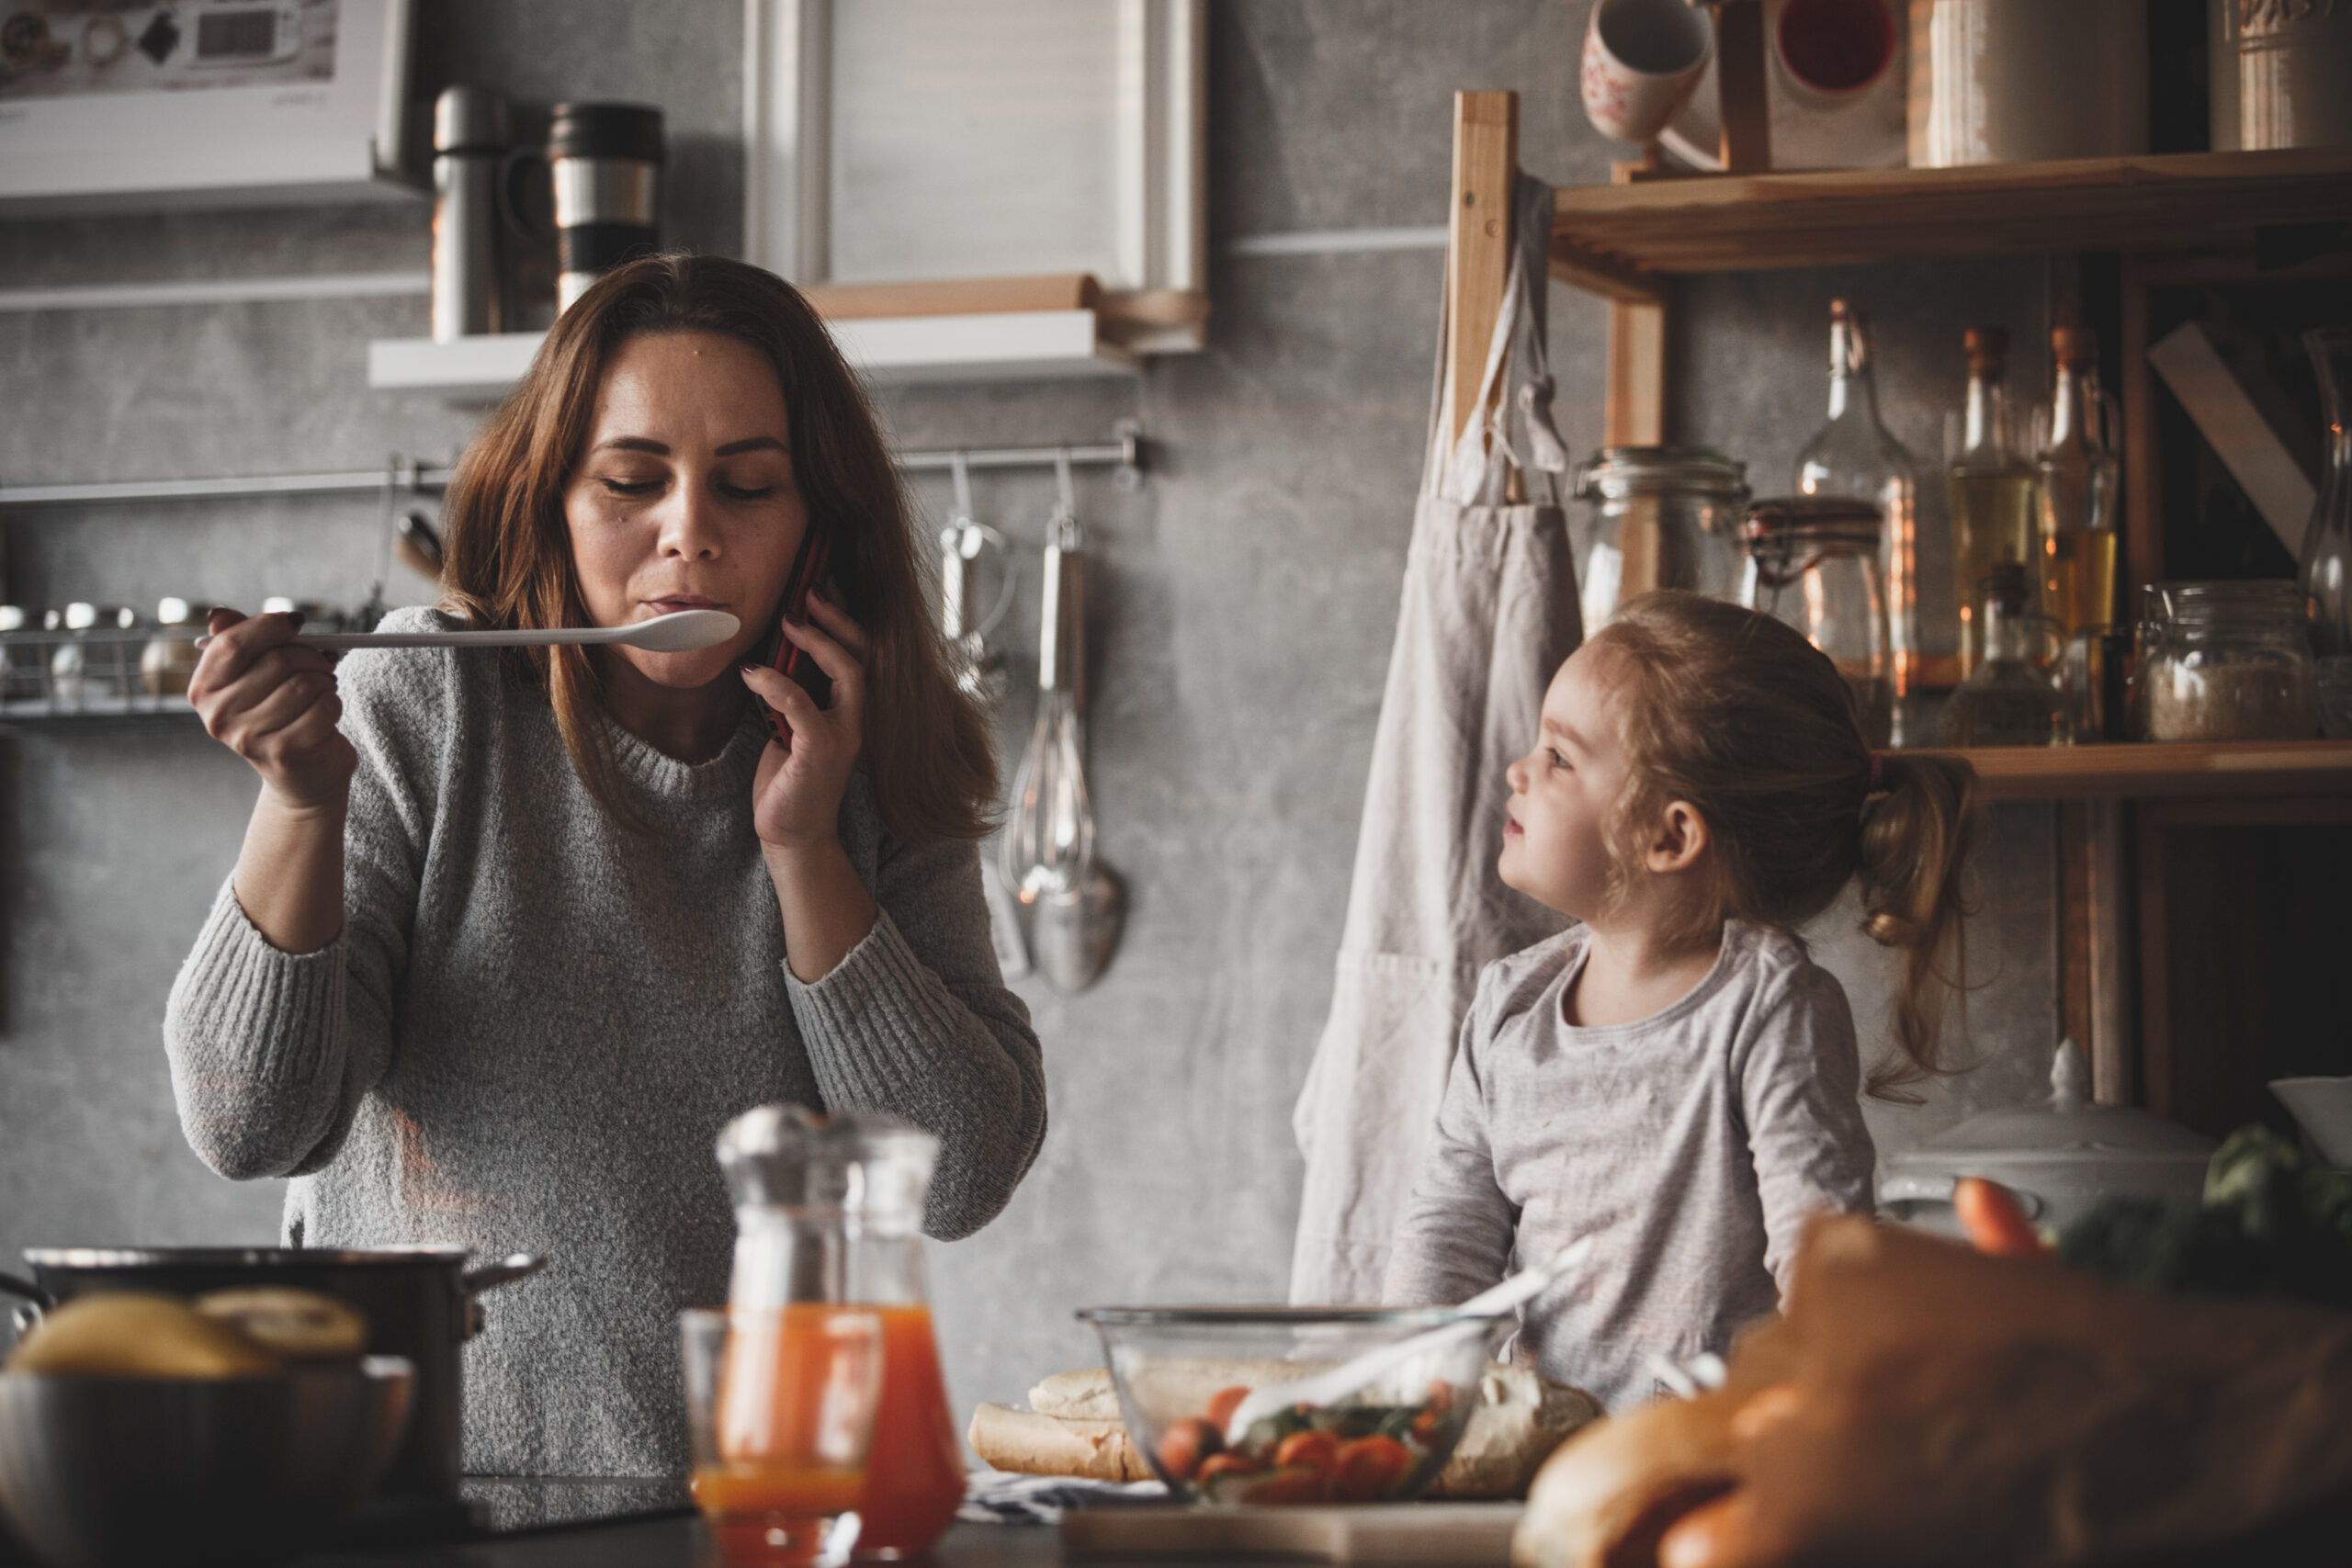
(1832, 50)
(1642, 60)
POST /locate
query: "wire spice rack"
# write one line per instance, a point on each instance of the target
(95, 674)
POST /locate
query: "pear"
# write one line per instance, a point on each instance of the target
(135, 1334)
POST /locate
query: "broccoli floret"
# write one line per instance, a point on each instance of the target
(2270, 1225)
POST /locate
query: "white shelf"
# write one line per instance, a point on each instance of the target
(469, 371)
(993, 345)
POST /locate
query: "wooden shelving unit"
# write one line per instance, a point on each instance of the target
(1618, 240)
(2164, 771)
(2142, 830)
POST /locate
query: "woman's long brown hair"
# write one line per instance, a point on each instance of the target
(508, 549)
(1740, 716)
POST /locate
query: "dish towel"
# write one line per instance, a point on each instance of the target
(1488, 613)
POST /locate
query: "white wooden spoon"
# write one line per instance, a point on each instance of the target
(1477, 1315)
(681, 631)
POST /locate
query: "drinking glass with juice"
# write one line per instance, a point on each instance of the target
(781, 1406)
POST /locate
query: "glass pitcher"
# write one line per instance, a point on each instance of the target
(877, 1170)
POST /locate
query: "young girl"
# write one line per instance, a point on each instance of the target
(1674, 1077)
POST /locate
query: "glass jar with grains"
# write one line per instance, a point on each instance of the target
(2229, 661)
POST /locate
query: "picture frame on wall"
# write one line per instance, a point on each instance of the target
(201, 103)
(950, 163)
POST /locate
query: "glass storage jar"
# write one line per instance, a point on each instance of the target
(1812, 562)
(2229, 661)
(1659, 517)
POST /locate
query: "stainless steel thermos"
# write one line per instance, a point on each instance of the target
(606, 160)
(469, 154)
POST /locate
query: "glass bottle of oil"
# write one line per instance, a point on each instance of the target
(1856, 456)
(1991, 485)
(2077, 469)
(2008, 699)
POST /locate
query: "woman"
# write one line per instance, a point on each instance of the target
(508, 941)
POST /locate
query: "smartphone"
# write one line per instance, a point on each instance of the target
(779, 652)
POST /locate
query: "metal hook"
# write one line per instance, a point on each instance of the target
(960, 466)
(1064, 524)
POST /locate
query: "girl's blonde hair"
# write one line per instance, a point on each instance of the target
(1738, 715)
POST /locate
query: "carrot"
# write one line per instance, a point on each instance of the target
(1994, 1220)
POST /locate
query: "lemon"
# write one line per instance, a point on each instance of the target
(135, 1334)
(301, 1325)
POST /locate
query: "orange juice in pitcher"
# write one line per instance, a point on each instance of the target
(874, 1172)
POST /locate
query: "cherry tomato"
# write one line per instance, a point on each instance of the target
(1366, 1468)
(1185, 1444)
(1223, 1403)
(1316, 1450)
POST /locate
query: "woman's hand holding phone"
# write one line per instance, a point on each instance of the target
(797, 793)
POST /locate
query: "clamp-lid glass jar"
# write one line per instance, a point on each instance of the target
(2229, 661)
(1661, 517)
(1812, 562)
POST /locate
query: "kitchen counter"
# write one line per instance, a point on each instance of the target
(2311, 1540)
(678, 1542)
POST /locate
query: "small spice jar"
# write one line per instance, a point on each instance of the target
(2229, 661)
(1812, 562)
(169, 659)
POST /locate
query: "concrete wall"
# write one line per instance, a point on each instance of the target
(1243, 604)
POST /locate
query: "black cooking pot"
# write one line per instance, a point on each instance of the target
(419, 1301)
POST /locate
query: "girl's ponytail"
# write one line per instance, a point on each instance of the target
(1918, 827)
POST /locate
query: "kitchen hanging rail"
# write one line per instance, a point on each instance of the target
(1124, 452)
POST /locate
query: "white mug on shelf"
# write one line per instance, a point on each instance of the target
(1642, 60)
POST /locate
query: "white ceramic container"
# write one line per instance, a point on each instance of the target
(2061, 1156)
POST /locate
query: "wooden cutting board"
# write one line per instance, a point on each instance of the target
(1472, 1535)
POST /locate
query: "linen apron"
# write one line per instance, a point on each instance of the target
(1488, 614)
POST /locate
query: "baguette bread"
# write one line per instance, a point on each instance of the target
(1073, 1425)
(1030, 1443)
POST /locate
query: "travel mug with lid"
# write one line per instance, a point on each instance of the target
(606, 160)
(469, 150)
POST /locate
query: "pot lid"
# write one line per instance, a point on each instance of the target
(2068, 1123)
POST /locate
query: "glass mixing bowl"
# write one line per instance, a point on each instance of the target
(1181, 1370)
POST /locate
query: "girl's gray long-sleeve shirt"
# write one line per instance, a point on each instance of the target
(1690, 1144)
(535, 1023)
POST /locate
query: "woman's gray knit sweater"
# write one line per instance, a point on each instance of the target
(535, 1023)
